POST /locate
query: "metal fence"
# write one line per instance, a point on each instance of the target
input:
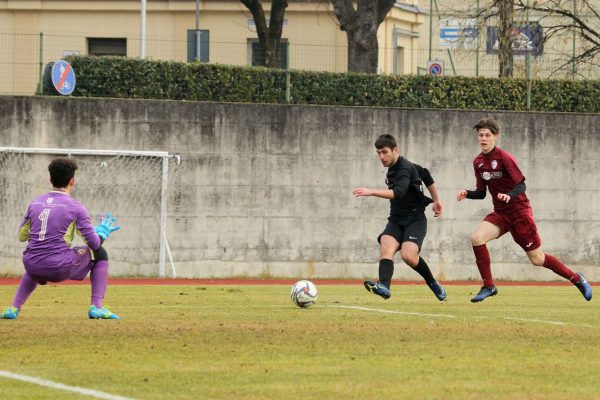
(464, 34)
(552, 65)
(24, 56)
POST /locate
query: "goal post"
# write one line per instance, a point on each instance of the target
(132, 185)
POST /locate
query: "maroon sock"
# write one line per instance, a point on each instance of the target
(482, 258)
(559, 268)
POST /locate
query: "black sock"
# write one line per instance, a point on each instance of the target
(386, 270)
(423, 269)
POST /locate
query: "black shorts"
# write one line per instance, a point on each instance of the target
(411, 228)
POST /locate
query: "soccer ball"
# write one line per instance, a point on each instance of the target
(304, 294)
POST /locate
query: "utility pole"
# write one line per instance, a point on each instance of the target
(143, 31)
(198, 36)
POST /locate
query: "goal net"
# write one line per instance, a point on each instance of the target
(131, 185)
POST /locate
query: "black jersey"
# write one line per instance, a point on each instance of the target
(405, 180)
(425, 175)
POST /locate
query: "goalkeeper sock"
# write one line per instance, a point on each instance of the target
(386, 271)
(423, 269)
(26, 287)
(99, 281)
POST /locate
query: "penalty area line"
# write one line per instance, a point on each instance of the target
(60, 386)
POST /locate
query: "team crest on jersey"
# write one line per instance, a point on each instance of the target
(494, 164)
(81, 252)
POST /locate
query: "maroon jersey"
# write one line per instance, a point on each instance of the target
(498, 172)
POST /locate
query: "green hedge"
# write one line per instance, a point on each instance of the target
(133, 78)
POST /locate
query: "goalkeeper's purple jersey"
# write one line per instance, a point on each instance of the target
(50, 225)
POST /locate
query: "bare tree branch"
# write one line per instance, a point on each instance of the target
(384, 8)
(345, 13)
(561, 12)
(559, 20)
(361, 26)
(277, 15)
(269, 35)
(258, 14)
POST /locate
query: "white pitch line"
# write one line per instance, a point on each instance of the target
(531, 320)
(538, 321)
(381, 310)
(60, 386)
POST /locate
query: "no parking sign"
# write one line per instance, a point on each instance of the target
(63, 77)
(435, 68)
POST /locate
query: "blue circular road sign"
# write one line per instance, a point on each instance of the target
(436, 69)
(63, 77)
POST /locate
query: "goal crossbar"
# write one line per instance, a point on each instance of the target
(88, 152)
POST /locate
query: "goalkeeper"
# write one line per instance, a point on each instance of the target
(49, 226)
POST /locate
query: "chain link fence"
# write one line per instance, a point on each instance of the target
(24, 56)
(463, 35)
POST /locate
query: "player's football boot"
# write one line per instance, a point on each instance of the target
(438, 290)
(10, 313)
(584, 287)
(378, 289)
(101, 313)
(486, 291)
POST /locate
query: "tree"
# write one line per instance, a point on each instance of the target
(570, 17)
(505, 37)
(361, 26)
(269, 35)
(502, 12)
(561, 21)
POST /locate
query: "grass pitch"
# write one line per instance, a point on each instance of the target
(251, 342)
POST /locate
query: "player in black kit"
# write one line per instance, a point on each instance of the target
(407, 224)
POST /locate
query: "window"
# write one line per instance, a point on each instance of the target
(107, 46)
(257, 53)
(399, 61)
(192, 45)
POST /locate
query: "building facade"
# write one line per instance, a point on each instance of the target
(35, 32)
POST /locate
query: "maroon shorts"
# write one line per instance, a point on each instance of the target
(521, 226)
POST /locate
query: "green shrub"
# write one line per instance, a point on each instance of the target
(134, 78)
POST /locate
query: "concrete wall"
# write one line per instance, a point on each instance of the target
(266, 189)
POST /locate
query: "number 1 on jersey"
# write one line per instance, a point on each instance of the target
(44, 218)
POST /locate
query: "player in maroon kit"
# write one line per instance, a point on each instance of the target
(49, 226)
(497, 170)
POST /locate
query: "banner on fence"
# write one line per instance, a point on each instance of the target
(458, 33)
(527, 38)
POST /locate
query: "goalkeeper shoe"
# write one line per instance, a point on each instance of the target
(101, 313)
(378, 289)
(584, 287)
(438, 290)
(10, 313)
(485, 292)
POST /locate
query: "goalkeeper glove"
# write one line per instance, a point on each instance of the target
(106, 226)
